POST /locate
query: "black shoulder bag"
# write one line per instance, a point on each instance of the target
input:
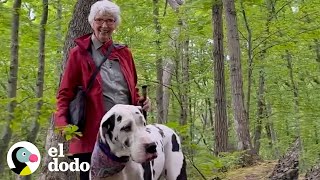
(77, 106)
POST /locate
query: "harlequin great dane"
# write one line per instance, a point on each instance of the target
(128, 149)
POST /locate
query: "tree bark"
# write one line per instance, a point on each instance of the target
(240, 115)
(250, 57)
(59, 35)
(77, 27)
(288, 165)
(41, 68)
(167, 76)
(159, 63)
(317, 49)
(220, 110)
(185, 82)
(295, 92)
(12, 82)
(32, 135)
(261, 112)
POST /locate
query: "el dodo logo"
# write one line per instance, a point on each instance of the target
(23, 158)
(64, 166)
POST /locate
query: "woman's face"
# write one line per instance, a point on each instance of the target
(103, 26)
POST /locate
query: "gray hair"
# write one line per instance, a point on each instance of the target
(104, 7)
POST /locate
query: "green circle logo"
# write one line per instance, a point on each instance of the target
(23, 158)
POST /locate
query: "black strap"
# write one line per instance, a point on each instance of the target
(93, 77)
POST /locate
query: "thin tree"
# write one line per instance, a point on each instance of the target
(168, 64)
(167, 77)
(12, 82)
(185, 61)
(250, 56)
(261, 102)
(159, 63)
(41, 68)
(78, 26)
(240, 115)
(220, 110)
(32, 135)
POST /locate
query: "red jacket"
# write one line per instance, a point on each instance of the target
(80, 67)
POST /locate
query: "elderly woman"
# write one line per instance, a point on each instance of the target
(115, 84)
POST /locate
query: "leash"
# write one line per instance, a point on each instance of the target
(144, 95)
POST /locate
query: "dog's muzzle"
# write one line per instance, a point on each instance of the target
(151, 151)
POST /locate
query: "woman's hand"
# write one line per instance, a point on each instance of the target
(146, 105)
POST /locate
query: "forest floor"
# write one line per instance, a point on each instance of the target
(260, 171)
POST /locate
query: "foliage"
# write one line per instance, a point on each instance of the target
(69, 132)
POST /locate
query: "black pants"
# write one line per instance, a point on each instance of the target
(84, 157)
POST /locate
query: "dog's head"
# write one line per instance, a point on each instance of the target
(123, 127)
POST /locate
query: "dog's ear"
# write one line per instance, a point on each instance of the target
(108, 126)
(140, 108)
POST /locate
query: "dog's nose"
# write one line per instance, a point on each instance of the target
(151, 148)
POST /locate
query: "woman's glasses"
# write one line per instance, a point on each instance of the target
(100, 21)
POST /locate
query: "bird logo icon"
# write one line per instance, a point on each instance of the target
(23, 158)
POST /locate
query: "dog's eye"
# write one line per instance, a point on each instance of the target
(144, 124)
(126, 128)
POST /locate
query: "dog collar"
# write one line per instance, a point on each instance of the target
(106, 150)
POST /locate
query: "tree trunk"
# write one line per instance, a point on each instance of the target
(317, 49)
(240, 116)
(167, 76)
(295, 93)
(220, 110)
(41, 67)
(159, 64)
(12, 83)
(59, 34)
(182, 73)
(313, 173)
(261, 102)
(261, 112)
(185, 82)
(287, 167)
(32, 135)
(77, 27)
(250, 58)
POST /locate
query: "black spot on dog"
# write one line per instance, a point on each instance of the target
(127, 128)
(108, 126)
(154, 172)
(175, 144)
(137, 112)
(147, 171)
(160, 131)
(152, 163)
(162, 147)
(127, 143)
(165, 172)
(183, 172)
(119, 118)
(148, 130)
